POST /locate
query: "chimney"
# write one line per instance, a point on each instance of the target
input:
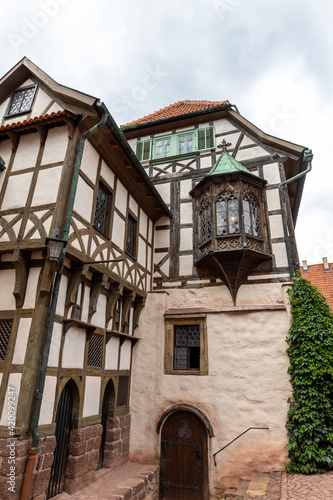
(326, 265)
(305, 266)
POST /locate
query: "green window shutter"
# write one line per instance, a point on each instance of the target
(206, 138)
(142, 150)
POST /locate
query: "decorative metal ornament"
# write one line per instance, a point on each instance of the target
(183, 430)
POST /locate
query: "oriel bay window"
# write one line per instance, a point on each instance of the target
(231, 237)
(182, 143)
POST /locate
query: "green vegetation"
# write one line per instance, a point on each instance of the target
(310, 417)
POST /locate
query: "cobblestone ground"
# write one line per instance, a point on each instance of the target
(299, 487)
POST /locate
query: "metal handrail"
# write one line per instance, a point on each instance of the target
(257, 428)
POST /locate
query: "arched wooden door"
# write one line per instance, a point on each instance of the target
(64, 424)
(184, 459)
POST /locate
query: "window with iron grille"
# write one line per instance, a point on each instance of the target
(122, 397)
(95, 351)
(5, 330)
(186, 350)
(21, 101)
(102, 210)
(131, 236)
(187, 347)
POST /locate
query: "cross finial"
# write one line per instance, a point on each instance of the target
(224, 144)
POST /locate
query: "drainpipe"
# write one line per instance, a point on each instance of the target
(32, 455)
(307, 159)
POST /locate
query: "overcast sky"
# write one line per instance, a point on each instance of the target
(273, 59)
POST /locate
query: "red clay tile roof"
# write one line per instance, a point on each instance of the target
(176, 109)
(322, 279)
(30, 123)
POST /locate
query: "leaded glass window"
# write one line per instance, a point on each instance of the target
(95, 351)
(186, 347)
(21, 101)
(5, 331)
(103, 204)
(185, 144)
(131, 236)
(205, 222)
(251, 216)
(227, 216)
(162, 148)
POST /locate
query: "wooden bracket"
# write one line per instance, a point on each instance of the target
(21, 265)
(42, 132)
(139, 305)
(129, 299)
(14, 137)
(95, 293)
(70, 124)
(73, 286)
(115, 293)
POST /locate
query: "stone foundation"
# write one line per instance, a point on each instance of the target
(83, 449)
(44, 462)
(117, 441)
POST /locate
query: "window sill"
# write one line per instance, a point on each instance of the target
(101, 232)
(186, 372)
(174, 157)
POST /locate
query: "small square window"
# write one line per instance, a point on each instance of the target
(95, 351)
(5, 331)
(102, 210)
(21, 101)
(186, 346)
(131, 236)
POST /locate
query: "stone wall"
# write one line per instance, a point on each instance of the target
(117, 441)
(83, 449)
(43, 465)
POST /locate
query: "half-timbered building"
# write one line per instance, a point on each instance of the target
(212, 366)
(68, 176)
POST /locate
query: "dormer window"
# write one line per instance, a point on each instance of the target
(21, 101)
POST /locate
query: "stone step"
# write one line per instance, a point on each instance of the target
(249, 489)
(236, 494)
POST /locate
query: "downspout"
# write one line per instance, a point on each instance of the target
(307, 159)
(55, 293)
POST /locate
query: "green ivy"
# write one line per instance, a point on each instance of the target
(310, 416)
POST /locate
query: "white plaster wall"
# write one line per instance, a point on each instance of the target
(255, 152)
(21, 341)
(83, 203)
(111, 354)
(276, 227)
(7, 280)
(125, 356)
(142, 252)
(186, 213)
(17, 191)
(133, 206)
(185, 188)
(185, 265)
(186, 239)
(164, 190)
(248, 384)
(27, 152)
(118, 231)
(55, 145)
(46, 411)
(3, 108)
(121, 198)
(162, 238)
(46, 189)
(271, 173)
(31, 290)
(55, 345)
(14, 382)
(280, 254)
(206, 161)
(91, 396)
(85, 306)
(42, 101)
(73, 352)
(150, 231)
(98, 318)
(62, 295)
(143, 224)
(90, 161)
(223, 125)
(107, 174)
(5, 153)
(273, 199)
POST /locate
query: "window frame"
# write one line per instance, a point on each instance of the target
(106, 222)
(7, 340)
(133, 251)
(169, 352)
(24, 89)
(202, 139)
